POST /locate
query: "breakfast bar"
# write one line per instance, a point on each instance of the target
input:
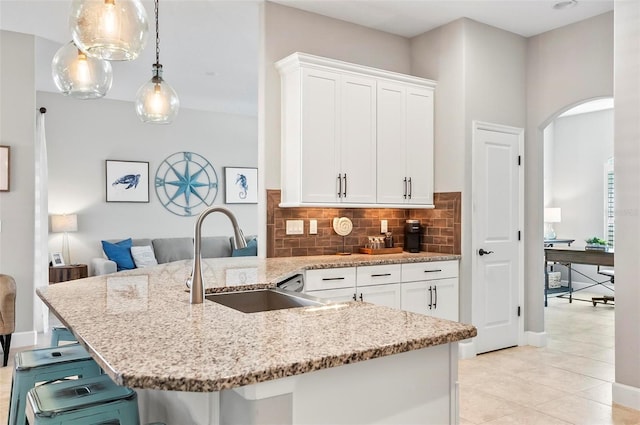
(211, 364)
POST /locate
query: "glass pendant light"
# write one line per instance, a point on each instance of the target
(156, 101)
(77, 75)
(109, 29)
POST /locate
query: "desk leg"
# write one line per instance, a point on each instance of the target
(570, 286)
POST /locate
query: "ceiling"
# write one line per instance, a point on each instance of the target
(210, 48)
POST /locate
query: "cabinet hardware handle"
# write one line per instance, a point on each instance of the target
(430, 297)
(333, 278)
(405, 188)
(344, 194)
(340, 185)
(435, 302)
(361, 299)
(410, 188)
(433, 271)
(381, 275)
(354, 297)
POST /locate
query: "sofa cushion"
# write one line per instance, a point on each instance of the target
(250, 250)
(143, 256)
(215, 246)
(173, 249)
(120, 253)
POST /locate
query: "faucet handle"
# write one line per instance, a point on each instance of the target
(189, 280)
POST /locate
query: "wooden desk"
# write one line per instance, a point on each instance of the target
(64, 273)
(569, 256)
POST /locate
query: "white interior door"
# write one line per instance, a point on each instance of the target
(497, 219)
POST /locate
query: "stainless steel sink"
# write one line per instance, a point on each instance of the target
(264, 300)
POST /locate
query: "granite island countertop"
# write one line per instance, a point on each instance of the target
(141, 329)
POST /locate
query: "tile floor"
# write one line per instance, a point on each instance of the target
(567, 382)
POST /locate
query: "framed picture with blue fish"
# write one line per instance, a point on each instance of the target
(241, 185)
(127, 181)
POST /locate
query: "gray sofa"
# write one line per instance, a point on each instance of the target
(167, 250)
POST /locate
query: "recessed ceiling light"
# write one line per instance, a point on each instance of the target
(567, 4)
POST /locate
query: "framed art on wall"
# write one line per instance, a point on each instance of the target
(127, 181)
(4, 168)
(241, 185)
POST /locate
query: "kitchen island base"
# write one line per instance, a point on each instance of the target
(414, 387)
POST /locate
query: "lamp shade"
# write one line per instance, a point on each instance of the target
(552, 215)
(64, 223)
(78, 75)
(113, 30)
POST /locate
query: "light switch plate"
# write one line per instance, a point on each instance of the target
(383, 226)
(295, 227)
(313, 227)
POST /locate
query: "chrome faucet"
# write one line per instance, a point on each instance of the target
(195, 280)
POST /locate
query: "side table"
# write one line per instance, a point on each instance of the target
(65, 273)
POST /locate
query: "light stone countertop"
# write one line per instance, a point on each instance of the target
(143, 332)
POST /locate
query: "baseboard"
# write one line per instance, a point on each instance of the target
(23, 339)
(466, 349)
(536, 339)
(626, 395)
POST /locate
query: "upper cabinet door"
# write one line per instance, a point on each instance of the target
(358, 140)
(319, 134)
(392, 183)
(419, 144)
(405, 144)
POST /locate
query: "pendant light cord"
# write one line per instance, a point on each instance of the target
(157, 35)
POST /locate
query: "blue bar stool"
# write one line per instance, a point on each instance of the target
(96, 400)
(59, 333)
(43, 365)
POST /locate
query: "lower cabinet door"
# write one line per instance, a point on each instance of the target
(335, 295)
(438, 298)
(387, 295)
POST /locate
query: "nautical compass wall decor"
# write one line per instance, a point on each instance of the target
(186, 183)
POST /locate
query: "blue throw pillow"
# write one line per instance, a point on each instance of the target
(250, 250)
(120, 253)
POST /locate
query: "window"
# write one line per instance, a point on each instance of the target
(609, 218)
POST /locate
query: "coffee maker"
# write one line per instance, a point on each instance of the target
(412, 235)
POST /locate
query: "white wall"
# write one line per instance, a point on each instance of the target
(565, 67)
(17, 130)
(81, 135)
(288, 30)
(626, 389)
(481, 76)
(581, 146)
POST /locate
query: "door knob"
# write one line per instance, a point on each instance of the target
(482, 252)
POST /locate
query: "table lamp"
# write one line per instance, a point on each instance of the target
(551, 215)
(65, 223)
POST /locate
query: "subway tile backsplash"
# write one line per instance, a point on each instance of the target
(441, 227)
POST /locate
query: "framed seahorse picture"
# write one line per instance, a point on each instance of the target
(241, 185)
(127, 181)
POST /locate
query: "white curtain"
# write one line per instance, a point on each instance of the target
(41, 230)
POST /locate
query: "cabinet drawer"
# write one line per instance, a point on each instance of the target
(412, 272)
(330, 278)
(378, 275)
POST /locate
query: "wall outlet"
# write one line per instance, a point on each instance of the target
(295, 227)
(383, 226)
(313, 227)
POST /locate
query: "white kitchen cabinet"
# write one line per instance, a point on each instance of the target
(404, 144)
(331, 147)
(387, 295)
(335, 295)
(431, 288)
(334, 278)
